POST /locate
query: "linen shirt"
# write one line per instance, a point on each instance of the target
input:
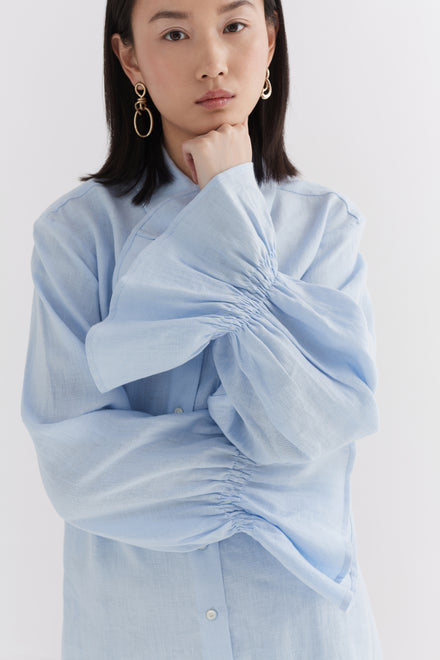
(199, 371)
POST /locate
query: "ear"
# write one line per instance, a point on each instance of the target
(127, 57)
(272, 31)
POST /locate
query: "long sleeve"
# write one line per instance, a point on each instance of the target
(301, 373)
(295, 354)
(166, 482)
(177, 482)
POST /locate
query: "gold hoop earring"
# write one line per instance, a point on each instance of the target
(267, 89)
(140, 107)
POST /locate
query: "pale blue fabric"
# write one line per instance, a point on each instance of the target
(199, 371)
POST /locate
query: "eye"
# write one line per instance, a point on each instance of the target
(235, 25)
(173, 33)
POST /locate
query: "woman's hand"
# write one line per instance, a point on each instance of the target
(208, 155)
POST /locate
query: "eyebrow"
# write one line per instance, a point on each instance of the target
(222, 10)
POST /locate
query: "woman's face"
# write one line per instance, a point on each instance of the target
(185, 48)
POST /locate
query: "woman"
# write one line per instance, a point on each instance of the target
(201, 360)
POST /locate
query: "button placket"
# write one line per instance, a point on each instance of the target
(211, 600)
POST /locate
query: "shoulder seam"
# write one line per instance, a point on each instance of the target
(53, 210)
(358, 218)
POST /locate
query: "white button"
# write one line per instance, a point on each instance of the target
(203, 547)
(178, 410)
(211, 615)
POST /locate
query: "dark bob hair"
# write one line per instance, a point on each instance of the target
(133, 162)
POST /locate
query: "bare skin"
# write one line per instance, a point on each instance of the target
(217, 151)
(181, 58)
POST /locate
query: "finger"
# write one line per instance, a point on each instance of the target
(190, 162)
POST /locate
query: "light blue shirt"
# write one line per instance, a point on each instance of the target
(199, 371)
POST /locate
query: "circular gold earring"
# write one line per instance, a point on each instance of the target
(267, 89)
(140, 107)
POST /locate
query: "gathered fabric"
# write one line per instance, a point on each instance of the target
(199, 372)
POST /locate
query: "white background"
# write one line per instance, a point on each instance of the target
(364, 119)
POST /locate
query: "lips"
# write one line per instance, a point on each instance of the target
(215, 94)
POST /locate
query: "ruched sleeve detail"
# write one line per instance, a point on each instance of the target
(272, 452)
(295, 356)
(163, 482)
(200, 278)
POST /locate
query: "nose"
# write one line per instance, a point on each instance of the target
(211, 59)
